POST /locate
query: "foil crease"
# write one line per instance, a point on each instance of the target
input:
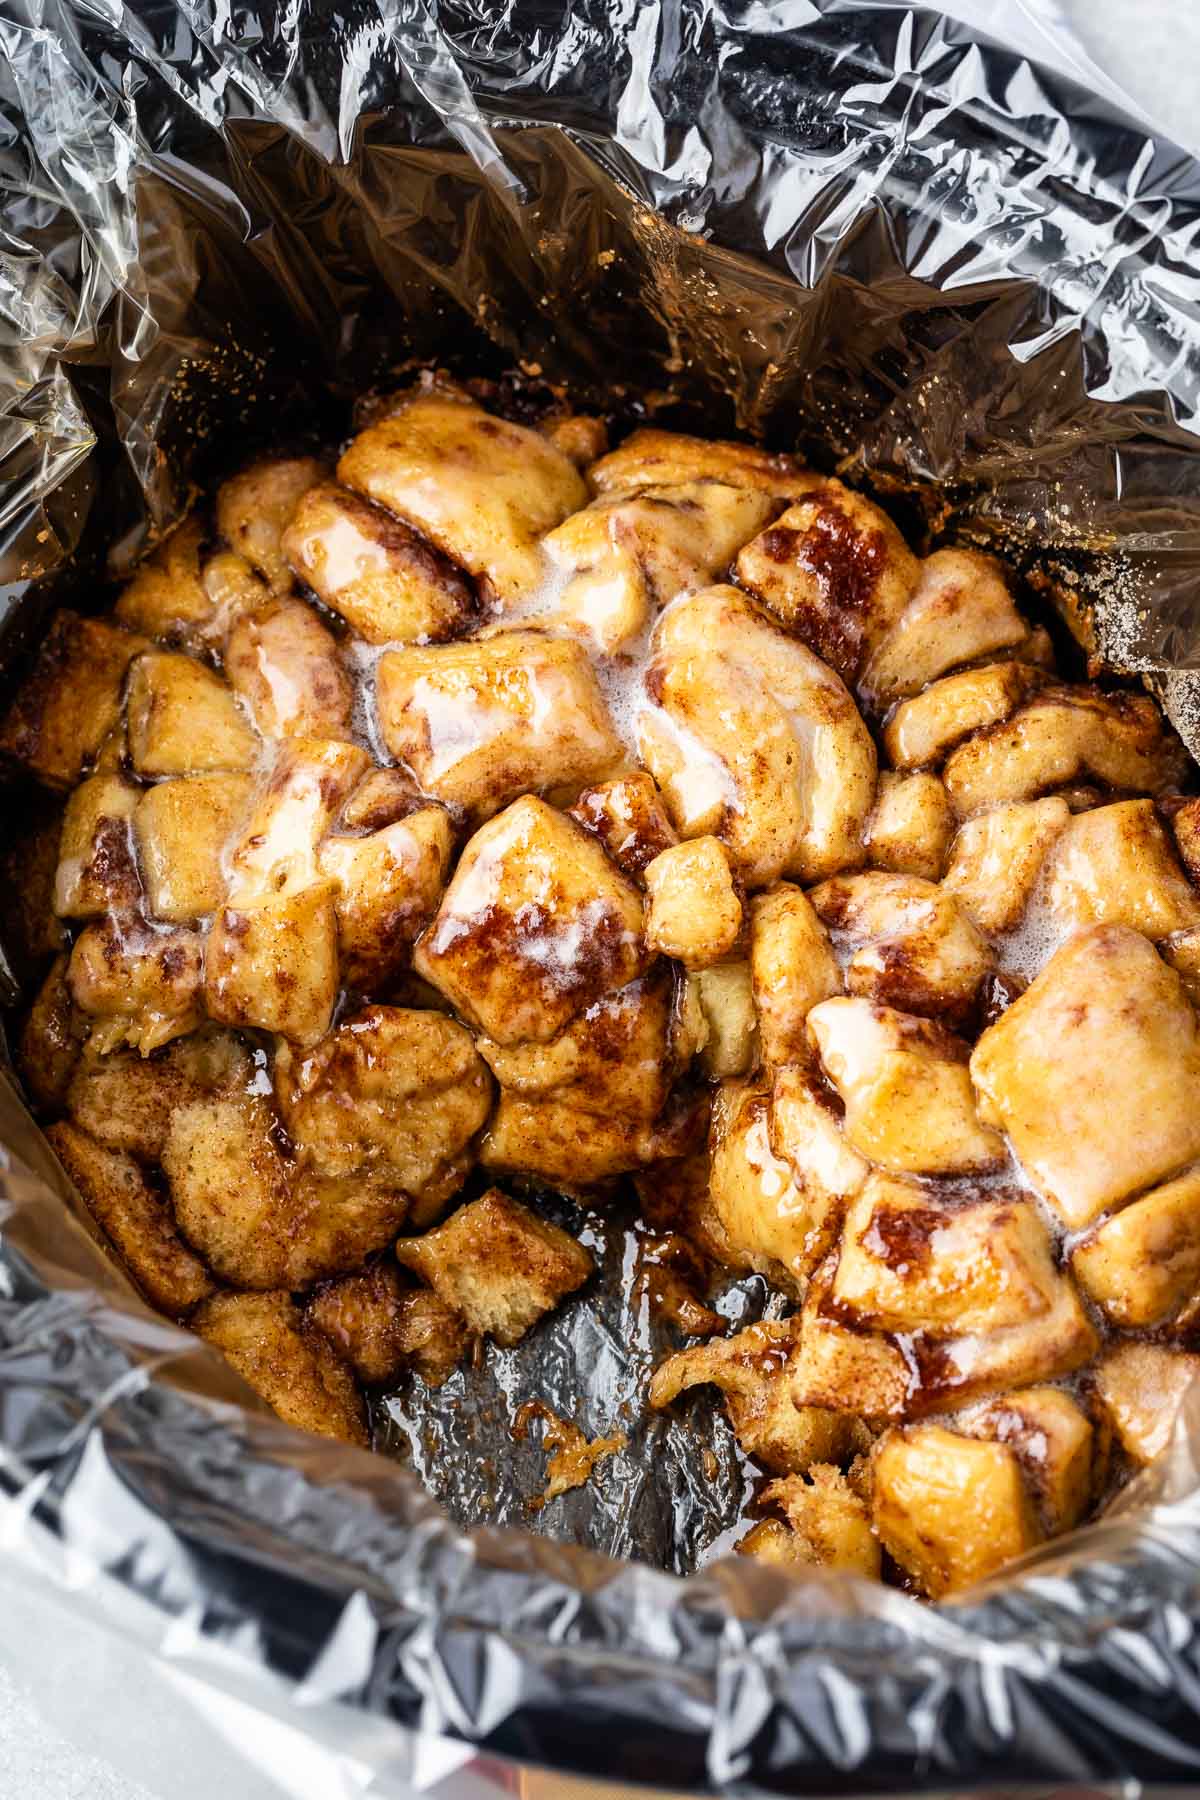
(858, 230)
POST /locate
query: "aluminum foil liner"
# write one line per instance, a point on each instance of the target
(858, 230)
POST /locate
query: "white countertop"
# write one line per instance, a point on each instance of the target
(80, 1712)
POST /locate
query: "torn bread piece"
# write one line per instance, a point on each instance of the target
(828, 1525)
(910, 944)
(950, 1509)
(652, 458)
(260, 1219)
(498, 1264)
(487, 719)
(960, 611)
(1089, 1074)
(125, 1100)
(393, 1093)
(752, 1370)
(545, 1140)
(835, 570)
(792, 969)
(778, 1215)
(694, 911)
(483, 490)
(255, 506)
(754, 740)
(906, 1088)
(909, 831)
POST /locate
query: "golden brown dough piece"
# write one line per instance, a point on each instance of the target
(997, 859)
(1090, 1073)
(1064, 736)
(167, 597)
(393, 1093)
(294, 1368)
(71, 699)
(754, 740)
(906, 1088)
(183, 719)
(482, 489)
(576, 1150)
(134, 1218)
(1141, 1388)
(389, 882)
(485, 720)
(126, 1100)
(652, 458)
(615, 1059)
(52, 1038)
(960, 611)
(498, 1264)
(259, 1219)
(885, 1376)
(387, 583)
(536, 925)
(182, 829)
(1115, 865)
(792, 969)
(921, 732)
(254, 507)
(910, 830)
(272, 964)
(777, 1214)
(1142, 1265)
(911, 945)
(950, 1509)
(141, 986)
(624, 557)
(910, 1262)
(96, 870)
(287, 669)
(1054, 1442)
(694, 911)
(836, 571)
(628, 816)
(379, 1325)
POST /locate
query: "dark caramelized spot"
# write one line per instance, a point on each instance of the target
(111, 864)
(900, 1236)
(530, 941)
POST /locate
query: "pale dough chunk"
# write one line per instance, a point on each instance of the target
(906, 1088)
(1090, 1071)
(482, 721)
(482, 489)
(754, 740)
(694, 913)
(386, 582)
